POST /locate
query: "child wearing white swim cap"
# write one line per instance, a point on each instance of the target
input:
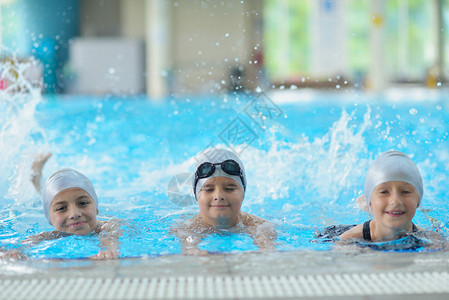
(70, 205)
(219, 187)
(393, 192)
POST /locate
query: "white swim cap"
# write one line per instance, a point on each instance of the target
(392, 166)
(62, 180)
(216, 156)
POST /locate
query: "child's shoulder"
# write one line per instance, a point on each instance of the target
(251, 220)
(355, 232)
(191, 224)
(427, 234)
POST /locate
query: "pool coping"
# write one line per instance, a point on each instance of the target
(299, 274)
(233, 264)
(249, 269)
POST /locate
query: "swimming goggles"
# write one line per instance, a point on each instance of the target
(207, 169)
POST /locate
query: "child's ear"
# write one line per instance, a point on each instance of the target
(361, 203)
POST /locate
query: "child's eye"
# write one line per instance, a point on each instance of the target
(406, 192)
(230, 189)
(83, 203)
(61, 208)
(208, 190)
(383, 191)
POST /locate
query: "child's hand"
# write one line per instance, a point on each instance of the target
(12, 255)
(106, 254)
(194, 251)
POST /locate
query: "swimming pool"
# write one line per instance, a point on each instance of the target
(305, 159)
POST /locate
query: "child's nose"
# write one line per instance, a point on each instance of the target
(74, 212)
(395, 197)
(218, 195)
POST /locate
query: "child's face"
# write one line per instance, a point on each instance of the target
(74, 211)
(220, 200)
(394, 204)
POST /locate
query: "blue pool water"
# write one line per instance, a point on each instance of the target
(305, 161)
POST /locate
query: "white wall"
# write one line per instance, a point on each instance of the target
(107, 65)
(206, 38)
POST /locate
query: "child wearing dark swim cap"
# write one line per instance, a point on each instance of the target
(393, 192)
(70, 205)
(219, 187)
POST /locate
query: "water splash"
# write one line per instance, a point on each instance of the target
(20, 93)
(314, 176)
(324, 169)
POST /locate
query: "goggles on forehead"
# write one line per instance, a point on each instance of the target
(229, 166)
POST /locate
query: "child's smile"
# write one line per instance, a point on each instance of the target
(395, 213)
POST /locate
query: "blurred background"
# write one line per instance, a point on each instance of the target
(166, 48)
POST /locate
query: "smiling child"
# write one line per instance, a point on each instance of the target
(70, 205)
(393, 192)
(219, 187)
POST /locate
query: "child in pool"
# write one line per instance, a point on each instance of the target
(219, 188)
(393, 192)
(71, 206)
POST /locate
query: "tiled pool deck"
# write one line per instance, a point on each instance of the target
(281, 275)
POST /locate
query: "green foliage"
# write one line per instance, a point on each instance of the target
(409, 40)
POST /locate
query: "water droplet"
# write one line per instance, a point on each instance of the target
(227, 34)
(111, 71)
(413, 111)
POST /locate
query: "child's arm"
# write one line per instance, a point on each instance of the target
(36, 239)
(43, 236)
(263, 232)
(36, 169)
(9, 254)
(189, 237)
(109, 232)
